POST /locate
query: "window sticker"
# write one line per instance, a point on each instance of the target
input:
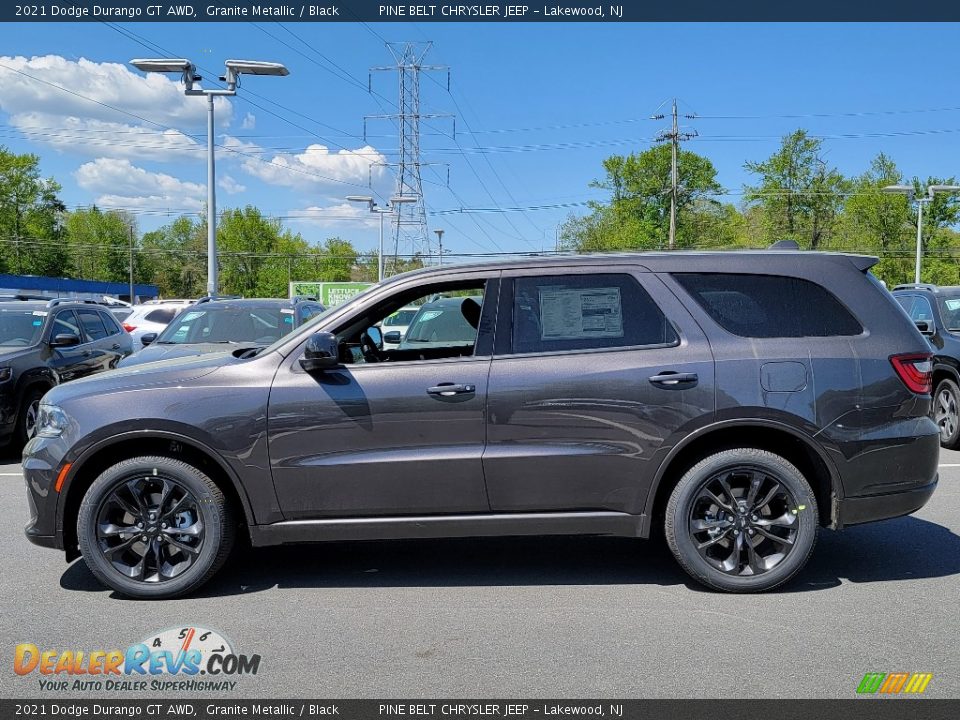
(41, 313)
(952, 304)
(575, 314)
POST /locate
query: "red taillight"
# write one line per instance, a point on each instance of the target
(129, 328)
(916, 371)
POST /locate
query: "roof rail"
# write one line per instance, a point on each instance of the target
(211, 298)
(916, 286)
(25, 296)
(60, 301)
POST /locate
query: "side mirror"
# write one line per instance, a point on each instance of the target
(924, 327)
(148, 338)
(65, 340)
(393, 337)
(321, 353)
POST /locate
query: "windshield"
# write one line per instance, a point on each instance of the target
(400, 318)
(262, 325)
(19, 328)
(950, 309)
(440, 324)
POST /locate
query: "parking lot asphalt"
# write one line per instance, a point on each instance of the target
(532, 617)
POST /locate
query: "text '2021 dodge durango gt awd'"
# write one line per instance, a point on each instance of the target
(733, 401)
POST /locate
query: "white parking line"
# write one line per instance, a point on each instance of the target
(11, 474)
(949, 465)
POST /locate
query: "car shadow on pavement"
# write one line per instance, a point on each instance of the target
(903, 549)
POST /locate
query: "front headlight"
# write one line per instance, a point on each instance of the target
(5, 374)
(52, 421)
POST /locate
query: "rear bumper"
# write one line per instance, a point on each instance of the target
(857, 510)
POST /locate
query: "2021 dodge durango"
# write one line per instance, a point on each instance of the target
(734, 402)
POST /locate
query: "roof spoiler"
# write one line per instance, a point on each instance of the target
(784, 245)
(863, 262)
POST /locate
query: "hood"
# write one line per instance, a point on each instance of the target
(158, 374)
(9, 354)
(153, 353)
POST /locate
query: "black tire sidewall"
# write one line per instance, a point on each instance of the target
(948, 384)
(213, 511)
(29, 397)
(680, 504)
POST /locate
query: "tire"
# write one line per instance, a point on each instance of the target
(164, 495)
(946, 413)
(713, 545)
(27, 415)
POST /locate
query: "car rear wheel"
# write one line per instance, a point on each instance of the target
(742, 520)
(945, 413)
(154, 527)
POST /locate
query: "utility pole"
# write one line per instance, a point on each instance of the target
(675, 137)
(409, 63)
(131, 265)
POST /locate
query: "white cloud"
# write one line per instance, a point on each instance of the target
(229, 185)
(118, 183)
(346, 214)
(110, 109)
(249, 121)
(315, 166)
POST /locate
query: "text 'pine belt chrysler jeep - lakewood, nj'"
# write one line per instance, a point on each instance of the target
(733, 401)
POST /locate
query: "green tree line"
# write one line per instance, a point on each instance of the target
(795, 195)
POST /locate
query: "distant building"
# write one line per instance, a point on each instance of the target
(79, 289)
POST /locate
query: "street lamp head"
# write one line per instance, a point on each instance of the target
(256, 67)
(903, 189)
(400, 199)
(360, 198)
(933, 189)
(164, 65)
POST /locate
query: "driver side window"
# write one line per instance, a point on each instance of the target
(435, 323)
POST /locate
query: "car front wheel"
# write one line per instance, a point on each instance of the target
(742, 520)
(154, 527)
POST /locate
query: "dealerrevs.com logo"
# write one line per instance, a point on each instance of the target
(179, 659)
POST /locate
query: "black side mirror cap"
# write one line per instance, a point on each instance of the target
(65, 340)
(148, 338)
(321, 353)
(393, 337)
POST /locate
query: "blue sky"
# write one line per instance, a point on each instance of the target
(538, 107)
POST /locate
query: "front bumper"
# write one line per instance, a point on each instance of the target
(42, 460)
(857, 510)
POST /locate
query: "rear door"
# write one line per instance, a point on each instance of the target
(594, 370)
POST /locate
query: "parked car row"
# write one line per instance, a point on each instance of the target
(48, 341)
(732, 402)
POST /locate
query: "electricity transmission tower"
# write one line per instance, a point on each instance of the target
(410, 218)
(675, 137)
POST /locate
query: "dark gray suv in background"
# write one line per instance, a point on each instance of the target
(735, 402)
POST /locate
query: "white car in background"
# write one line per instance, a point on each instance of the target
(152, 317)
(398, 322)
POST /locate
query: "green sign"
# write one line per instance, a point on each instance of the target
(328, 293)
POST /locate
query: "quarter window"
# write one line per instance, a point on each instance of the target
(585, 312)
(769, 306)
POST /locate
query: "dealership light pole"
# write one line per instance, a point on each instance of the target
(188, 71)
(909, 191)
(440, 244)
(372, 206)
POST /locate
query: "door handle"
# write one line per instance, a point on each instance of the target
(451, 389)
(671, 379)
(116, 346)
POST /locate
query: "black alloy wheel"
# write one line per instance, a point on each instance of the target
(154, 527)
(150, 528)
(742, 520)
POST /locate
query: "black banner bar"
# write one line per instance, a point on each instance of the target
(478, 11)
(217, 709)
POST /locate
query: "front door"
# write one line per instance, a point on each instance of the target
(389, 433)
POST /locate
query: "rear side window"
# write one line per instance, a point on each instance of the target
(92, 324)
(162, 316)
(110, 324)
(769, 306)
(583, 312)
